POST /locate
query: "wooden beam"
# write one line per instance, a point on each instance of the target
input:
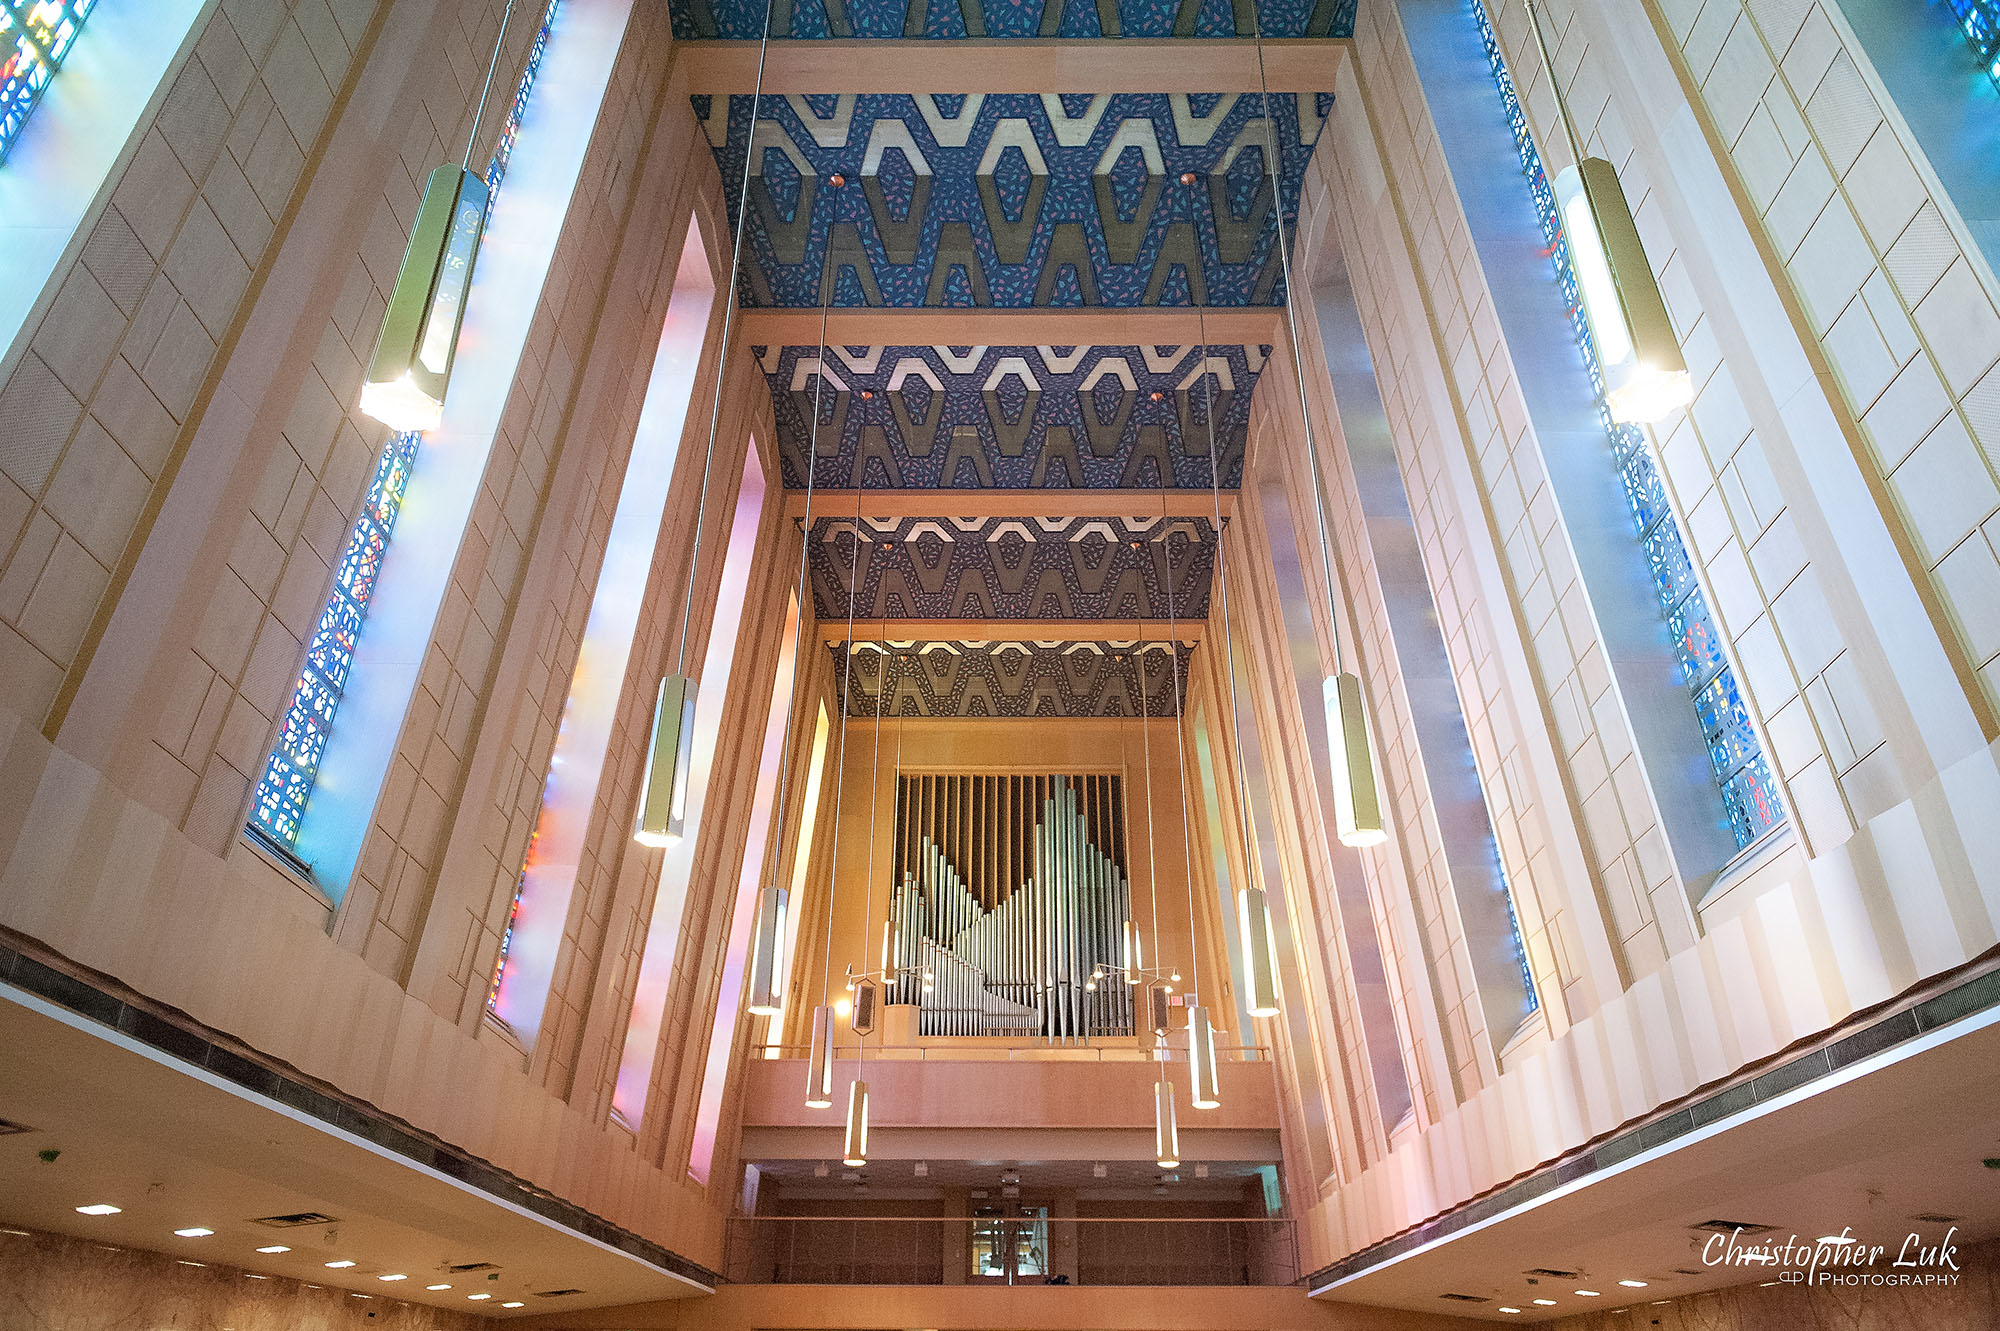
(1012, 630)
(1009, 503)
(1096, 326)
(1013, 64)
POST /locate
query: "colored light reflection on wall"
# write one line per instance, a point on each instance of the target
(722, 1036)
(522, 976)
(656, 966)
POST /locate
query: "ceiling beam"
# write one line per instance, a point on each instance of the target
(944, 504)
(1096, 326)
(1011, 630)
(1004, 65)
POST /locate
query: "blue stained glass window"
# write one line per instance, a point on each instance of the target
(35, 35)
(278, 808)
(1979, 20)
(1749, 795)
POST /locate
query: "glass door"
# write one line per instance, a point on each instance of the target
(1010, 1245)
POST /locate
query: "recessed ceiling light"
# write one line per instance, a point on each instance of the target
(361, 1296)
(339, 1266)
(252, 1275)
(1633, 1284)
(99, 1208)
(274, 1247)
(437, 1286)
(516, 1304)
(194, 1232)
(477, 1297)
(17, 1233)
(185, 1262)
(1510, 1310)
(397, 1276)
(1587, 1293)
(1545, 1303)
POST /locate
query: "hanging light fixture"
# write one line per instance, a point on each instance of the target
(767, 979)
(1357, 801)
(1645, 375)
(1205, 1093)
(819, 1060)
(663, 798)
(854, 1147)
(1260, 957)
(411, 367)
(1166, 1132)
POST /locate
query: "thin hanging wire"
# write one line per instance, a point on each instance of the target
(728, 322)
(874, 803)
(1180, 710)
(1292, 330)
(472, 137)
(1549, 67)
(1222, 576)
(840, 788)
(799, 624)
(1146, 738)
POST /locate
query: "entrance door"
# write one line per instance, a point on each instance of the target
(1010, 1245)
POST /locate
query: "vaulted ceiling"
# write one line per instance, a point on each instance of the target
(1014, 332)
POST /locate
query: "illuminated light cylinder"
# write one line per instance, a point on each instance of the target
(663, 796)
(1357, 800)
(766, 963)
(1201, 1060)
(888, 945)
(407, 375)
(819, 1061)
(1260, 961)
(854, 1149)
(1131, 953)
(1645, 376)
(1166, 1132)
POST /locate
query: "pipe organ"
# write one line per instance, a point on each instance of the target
(1012, 890)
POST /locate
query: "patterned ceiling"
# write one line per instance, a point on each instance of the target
(1008, 568)
(946, 19)
(1012, 418)
(1014, 679)
(1030, 200)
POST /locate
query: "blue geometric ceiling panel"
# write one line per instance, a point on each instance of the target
(695, 20)
(1012, 418)
(1011, 679)
(1017, 200)
(1012, 568)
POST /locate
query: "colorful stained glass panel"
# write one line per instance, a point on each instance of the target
(35, 36)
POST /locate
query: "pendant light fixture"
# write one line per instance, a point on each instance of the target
(1357, 801)
(819, 1060)
(662, 814)
(411, 368)
(1645, 376)
(854, 1145)
(1166, 1131)
(767, 981)
(1253, 919)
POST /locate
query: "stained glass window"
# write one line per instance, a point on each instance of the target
(1749, 794)
(278, 808)
(35, 36)
(1979, 20)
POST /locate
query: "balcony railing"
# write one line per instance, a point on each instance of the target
(982, 1049)
(883, 1250)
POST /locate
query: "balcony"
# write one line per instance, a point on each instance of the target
(1010, 1250)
